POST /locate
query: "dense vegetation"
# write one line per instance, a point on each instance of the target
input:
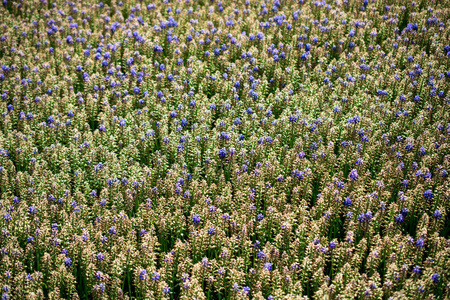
(201, 149)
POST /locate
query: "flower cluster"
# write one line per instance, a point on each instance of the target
(249, 149)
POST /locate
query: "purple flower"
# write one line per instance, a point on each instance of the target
(437, 214)
(156, 277)
(409, 147)
(112, 230)
(405, 183)
(435, 277)
(422, 151)
(100, 256)
(361, 217)
(260, 254)
(222, 153)
(143, 275)
(399, 219)
(32, 210)
(347, 201)
(428, 194)
(166, 290)
(420, 243)
(404, 211)
(196, 219)
(235, 287)
(354, 175)
(205, 262)
(211, 231)
(30, 240)
(225, 136)
(68, 262)
(246, 290)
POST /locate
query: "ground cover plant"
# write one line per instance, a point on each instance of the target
(248, 149)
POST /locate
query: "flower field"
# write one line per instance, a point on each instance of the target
(205, 149)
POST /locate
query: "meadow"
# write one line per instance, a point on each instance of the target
(204, 149)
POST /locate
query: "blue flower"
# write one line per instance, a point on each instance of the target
(354, 175)
(293, 119)
(420, 243)
(143, 275)
(166, 290)
(404, 212)
(428, 194)
(30, 240)
(7, 217)
(268, 266)
(361, 217)
(225, 136)
(112, 230)
(32, 210)
(422, 151)
(222, 153)
(156, 277)
(352, 33)
(332, 245)
(68, 262)
(246, 290)
(347, 201)
(196, 219)
(437, 214)
(100, 256)
(211, 231)
(173, 114)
